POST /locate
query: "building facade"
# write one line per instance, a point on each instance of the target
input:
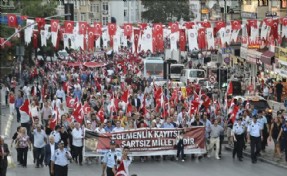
(104, 10)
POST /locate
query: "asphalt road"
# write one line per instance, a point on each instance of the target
(225, 167)
(206, 167)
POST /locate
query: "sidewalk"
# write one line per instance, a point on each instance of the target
(266, 156)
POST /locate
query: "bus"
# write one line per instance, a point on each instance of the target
(153, 67)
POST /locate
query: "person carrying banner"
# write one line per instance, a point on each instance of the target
(110, 160)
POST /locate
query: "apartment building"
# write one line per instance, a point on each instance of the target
(104, 10)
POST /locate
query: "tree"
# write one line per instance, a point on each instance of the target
(166, 11)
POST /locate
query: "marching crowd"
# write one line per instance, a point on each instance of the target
(117, 97)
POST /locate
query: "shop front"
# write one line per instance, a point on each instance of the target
(281, 66)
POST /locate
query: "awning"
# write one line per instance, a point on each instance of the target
(266, 57)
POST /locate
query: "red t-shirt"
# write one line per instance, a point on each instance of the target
(11, 99)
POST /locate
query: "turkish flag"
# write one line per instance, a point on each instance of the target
(274, 29)
(54, 25)
(235, 25)
(35, 39)
(112, 28)
(41, 23)
(283, 21)
(268, 21)
(157, 29)
(201, 38)
(69, 27)
(136, 39)
(98, 28)
(128, 29)
(205, 24)
(189, 25)
(91, 38)
(173, 27)
(83, 26)
(143, 26)
(12, 20)
(77, 114)
(218, 26)
(86, 108)
(182, 40)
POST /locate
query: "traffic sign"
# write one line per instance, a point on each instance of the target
(212, 78)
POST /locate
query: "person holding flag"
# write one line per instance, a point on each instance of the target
(122, 169)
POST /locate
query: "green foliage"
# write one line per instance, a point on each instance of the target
(166, 11)
(37, 9)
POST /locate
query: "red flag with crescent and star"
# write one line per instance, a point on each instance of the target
(41, 23)
(182, 40)
(235, 25)
(98, 28)
(112, 28)
(136, 39)
(69, 26)
(12, 20)
(128, 29)
(83, 27)
(54, 25)
(173, 27)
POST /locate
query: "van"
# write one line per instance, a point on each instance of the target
(192, 75)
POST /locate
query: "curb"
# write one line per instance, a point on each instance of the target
(259, 158)
(8, 126)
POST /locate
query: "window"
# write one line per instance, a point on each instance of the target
(262, 2)
(95, 8)
(105, 20)
(126, 16)
(284, 4)
(83, 17)
(132, 15)
(75, 17)
(83, 2)
(105, 6)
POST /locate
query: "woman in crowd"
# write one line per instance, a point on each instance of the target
(23, 143)
(274, 132)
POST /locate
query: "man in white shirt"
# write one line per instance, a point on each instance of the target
(78, 136)
(40, 140)
(118, 127)
(60, 94)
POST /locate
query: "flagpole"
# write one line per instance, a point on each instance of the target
(34, 23)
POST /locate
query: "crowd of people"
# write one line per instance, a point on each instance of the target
(117, 97)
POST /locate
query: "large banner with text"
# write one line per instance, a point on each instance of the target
(146, 141)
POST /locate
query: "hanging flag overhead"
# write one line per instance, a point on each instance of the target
(173, 27)
(112, 28)
(69, 27)
(12, 20)
(83, 26)
(128, 29)
(98, 28)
